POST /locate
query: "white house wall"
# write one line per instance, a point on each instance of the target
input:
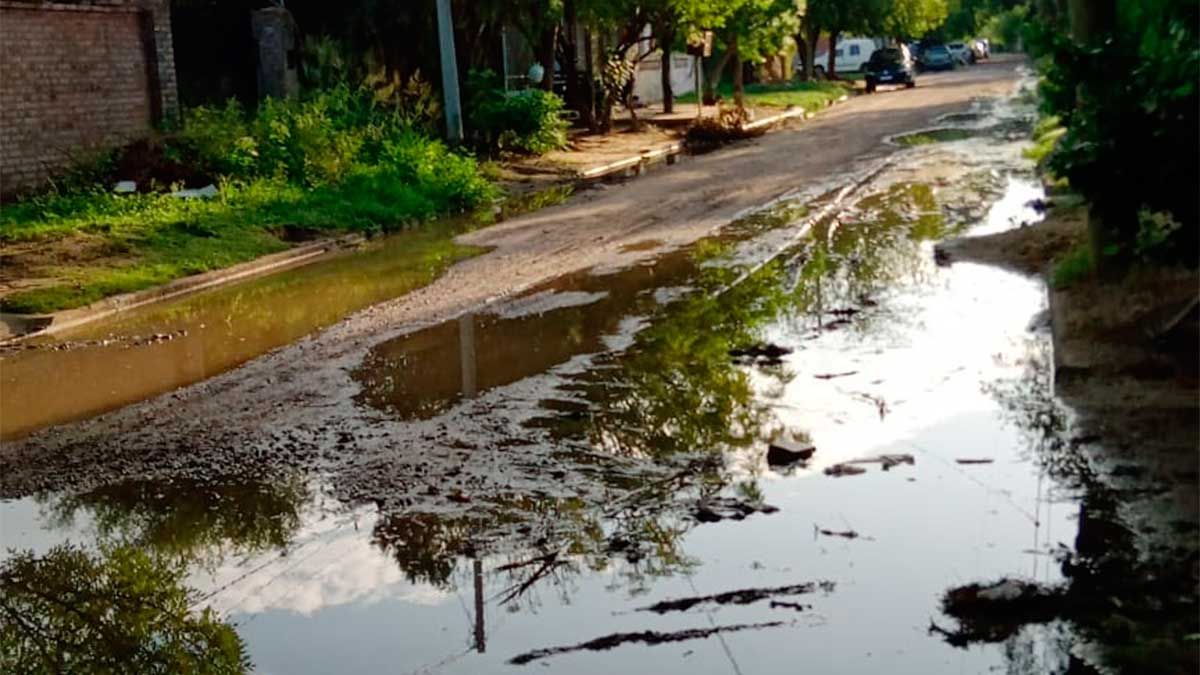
(648, 86)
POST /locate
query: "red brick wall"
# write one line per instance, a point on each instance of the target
(74, 78)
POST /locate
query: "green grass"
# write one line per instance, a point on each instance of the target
(162, 238)
(1076, 266)
(806, 95)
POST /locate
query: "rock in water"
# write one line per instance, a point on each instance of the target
(788, 452)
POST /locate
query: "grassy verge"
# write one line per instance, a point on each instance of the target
(139, 241)
(290, 171)
(807, 95)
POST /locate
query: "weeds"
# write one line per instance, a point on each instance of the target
(337, 161)
(1074, 267)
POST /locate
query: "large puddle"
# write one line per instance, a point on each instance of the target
(577, 479)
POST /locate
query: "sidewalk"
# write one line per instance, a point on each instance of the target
(591, 156)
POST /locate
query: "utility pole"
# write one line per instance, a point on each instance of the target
(454, 126)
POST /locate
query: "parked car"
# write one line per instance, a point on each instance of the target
(889, 66)
(982, 48)
(937, 57)
(850, 54)
(962, 52)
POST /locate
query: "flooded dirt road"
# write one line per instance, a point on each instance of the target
(214, 332)
(576, 477)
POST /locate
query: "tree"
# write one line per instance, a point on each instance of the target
(754, 30)
(838, 16)
(807, 33)
(621, 24)
(119, 611)
(673, 22)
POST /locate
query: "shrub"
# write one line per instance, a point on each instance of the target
(217, 140)
(528, 121)
(1130, 110)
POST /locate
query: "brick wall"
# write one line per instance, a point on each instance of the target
(77, 77)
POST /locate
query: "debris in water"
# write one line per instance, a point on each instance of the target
(779, 604)
(784, 452)
(838, 470)
(830, 376)
(744, 596)
(880, 404)
(765, 350)
(648, 637)
(967, 460)
(716, 509)
(845, 534)
(887, 461)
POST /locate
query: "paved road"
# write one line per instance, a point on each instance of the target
(295, 388)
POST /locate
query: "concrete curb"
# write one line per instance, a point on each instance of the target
(50, 324)
(669, 151)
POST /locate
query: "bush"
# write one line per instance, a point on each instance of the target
(216, 140)
(528, 121)
(1130, 110)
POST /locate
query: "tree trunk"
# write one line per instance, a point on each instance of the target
(576, 93)
(589, 79)
(545, 56)
(812, 35)
(1091, 22)
(712, 77)
(831, 68)
(739, 84)
(665, 40)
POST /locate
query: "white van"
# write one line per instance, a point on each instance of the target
(850, 54)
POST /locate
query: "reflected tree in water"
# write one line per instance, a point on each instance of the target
(121, 610)
(664, 420)
(190, 519)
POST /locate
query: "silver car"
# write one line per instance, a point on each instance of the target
(962, 52)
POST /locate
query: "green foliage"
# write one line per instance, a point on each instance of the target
(347, 158)
(119, 611)
(1156, 230)
(1046, 135)
(217, 140)
(1006, 28)
(527, 121)
(1129, 102)
(1074, 267)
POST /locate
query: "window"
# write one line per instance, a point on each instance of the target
(837, 52)
(854, 51)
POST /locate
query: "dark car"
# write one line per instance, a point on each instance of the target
(889, 66)
(937, 57)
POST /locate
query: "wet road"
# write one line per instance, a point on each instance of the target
(523, 485)
(226, 328)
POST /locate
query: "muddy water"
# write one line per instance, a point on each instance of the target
(892, 355)
(210, 332)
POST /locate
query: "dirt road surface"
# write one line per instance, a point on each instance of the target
(296, 387)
